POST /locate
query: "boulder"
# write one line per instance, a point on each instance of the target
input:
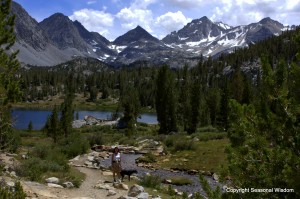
(143, 195)
(78, 124)
(120, 186)
(157, 197)
(53, 180)
(90, 158)
(111, 193)
(88, 163)
(135, 190)
(103, 155)
(107, 173)
(52, 185)
(13, 174)
(68, 185)
(102, 186)
(215, 177)
(10, 184)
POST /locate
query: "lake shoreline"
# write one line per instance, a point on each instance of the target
(38, 117)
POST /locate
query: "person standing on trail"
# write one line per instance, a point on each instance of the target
(116, 163)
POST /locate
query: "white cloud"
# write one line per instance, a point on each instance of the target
(171, 21)
(248, 11)
(91, 2)
(130, 18)
(94, 20)
(142, 4)
(185, 3)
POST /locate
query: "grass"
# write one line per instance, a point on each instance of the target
(162, 191)
(47, 159)
(207, 156)
(179, 180)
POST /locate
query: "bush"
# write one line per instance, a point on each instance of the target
(182, 145)
(127, 141)
(147, 158)
(169, 141)
(95, 139)
(41, 150)
(207, 129)
(151, 181)
(17, 193)
(211, 136)
(74, 145)
(31, 168)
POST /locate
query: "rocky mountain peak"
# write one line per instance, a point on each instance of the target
(62, 31)
(134, 35)
(27, 29)
(196, 30)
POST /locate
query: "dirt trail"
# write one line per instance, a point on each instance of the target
(87, 188)
(85, 191)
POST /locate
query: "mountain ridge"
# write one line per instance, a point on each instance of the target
(58, 39)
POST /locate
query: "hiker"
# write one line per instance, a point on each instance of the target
(116, 163)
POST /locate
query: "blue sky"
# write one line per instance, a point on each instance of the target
(112, 18)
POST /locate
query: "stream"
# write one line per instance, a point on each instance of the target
(128, 162)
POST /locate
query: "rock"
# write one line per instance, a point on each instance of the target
(126, 197)
(215, 177)
(168, 181)
(192, 172)
(157, 197)
(10, 184)
(90, 120)
(88, 163)
(76, 158)
(135, 190)
(7, 168)
(13, 174)
(120, 186)
(52, 180)
(195, 139)
(52, 185)
(180, 193)
(78, 124)
(107, 173)
(68, 185)
(111, 193)
(90, 158)
(102, 186)
(143, 195)
(103, 155)
(24, 156)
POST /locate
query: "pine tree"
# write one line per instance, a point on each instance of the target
(52, 125)
(264, 139)
(30, 126)
(166, 100)
(67, 111)
(9, 65)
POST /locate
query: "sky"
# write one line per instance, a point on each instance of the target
(113, 18)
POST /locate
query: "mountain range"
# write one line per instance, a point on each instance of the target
(58, 39)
